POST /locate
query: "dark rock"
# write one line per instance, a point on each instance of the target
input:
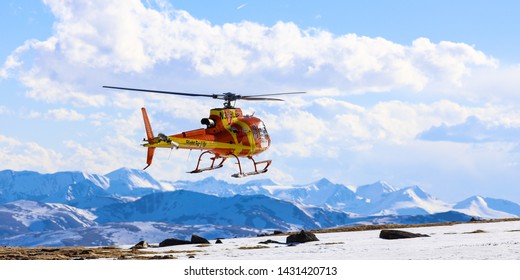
(277, 232)
(165, 257)
(219, 241)
(398, 234)
(268, 241)
(195, 239)
(173, 242)
(302, 237)
(141, 245)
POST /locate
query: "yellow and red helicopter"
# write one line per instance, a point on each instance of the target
(228, 133)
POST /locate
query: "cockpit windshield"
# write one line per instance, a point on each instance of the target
(263, 131)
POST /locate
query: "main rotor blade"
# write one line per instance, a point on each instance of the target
(165, 92)
(272, 94)
(260, 98)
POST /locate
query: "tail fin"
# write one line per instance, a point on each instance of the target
(149, 135)
(149, 156)
(147, 126)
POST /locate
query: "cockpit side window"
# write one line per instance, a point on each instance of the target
(255, 131)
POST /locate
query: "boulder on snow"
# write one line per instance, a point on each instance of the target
(173, 242)
(141, 245)
(398, 234)
(219, 241)
(302, 237)
(195, 239)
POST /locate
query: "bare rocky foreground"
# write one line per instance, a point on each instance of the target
(75, 253)
(116, 253)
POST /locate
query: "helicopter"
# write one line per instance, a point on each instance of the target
(228, 133)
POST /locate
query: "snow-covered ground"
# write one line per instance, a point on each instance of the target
(353, 255)
(474, 241)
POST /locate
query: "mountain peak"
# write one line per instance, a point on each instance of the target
(261, 182)
(375, 191)
(125, 171)
(131, 182)
(323, 182)
(417, 191)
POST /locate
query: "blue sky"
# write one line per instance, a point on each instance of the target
(409, 92)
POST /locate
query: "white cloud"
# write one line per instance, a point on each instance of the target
(473, 130)
(51, 91)
(26, 155)
(447, 60)
(495, 86)
(9, 63)
(302, 133)
(63, 114)
(103, 40)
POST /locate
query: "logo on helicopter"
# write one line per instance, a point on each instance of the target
(196, 143)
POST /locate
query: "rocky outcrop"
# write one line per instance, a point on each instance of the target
(195, 239)
(173, 242)
(141, 245)
(302, 237)
(399, 234)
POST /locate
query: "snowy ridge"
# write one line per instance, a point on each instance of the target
(482, 207)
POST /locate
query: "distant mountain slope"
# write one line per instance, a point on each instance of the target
(190, 208)
(25, 216)
(320, 193)
(212, 186)
(378, 198)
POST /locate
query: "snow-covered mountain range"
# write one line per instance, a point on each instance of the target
(76, 208)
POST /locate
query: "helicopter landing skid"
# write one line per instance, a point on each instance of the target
(198, 170)
(255, 163)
